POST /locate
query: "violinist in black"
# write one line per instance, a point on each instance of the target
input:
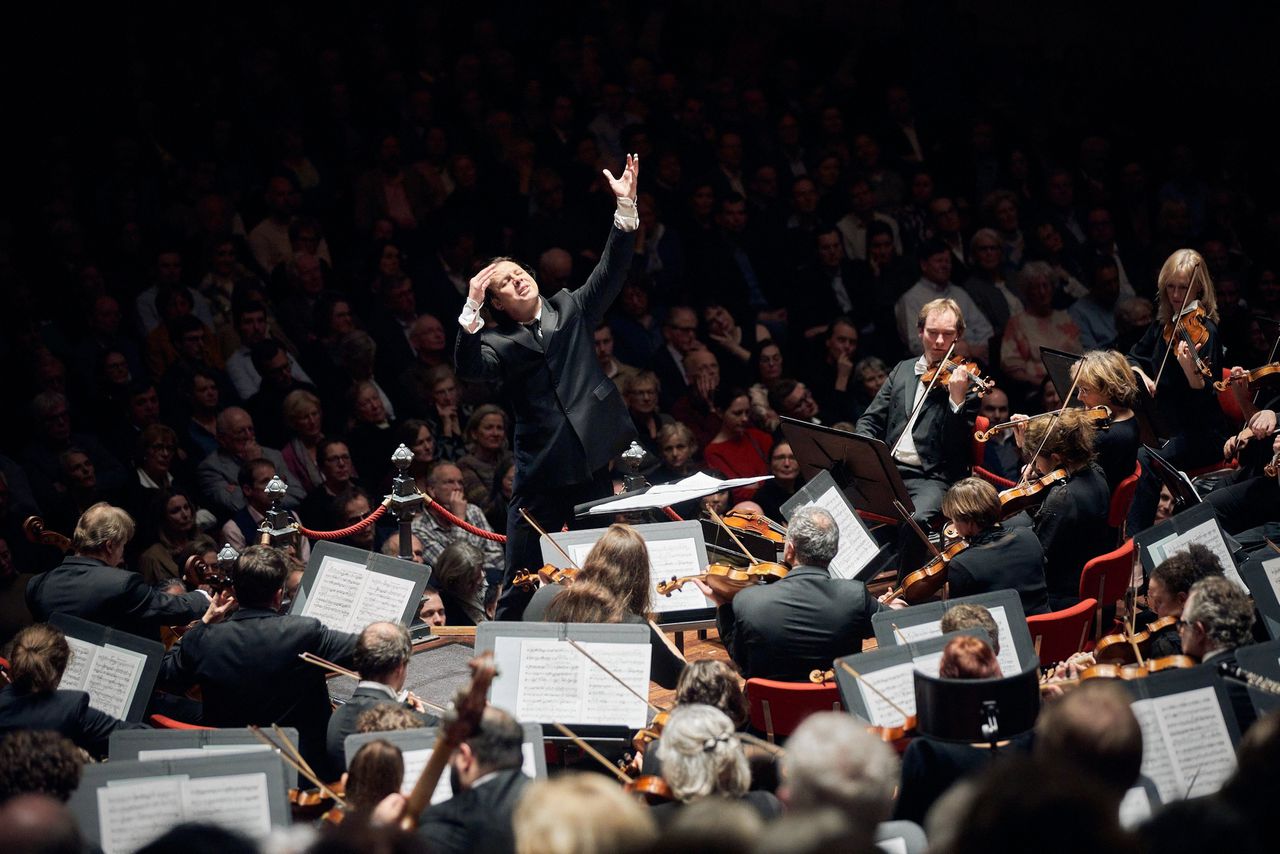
(997, 558)
(1104, 378)
(1190, 353)
(1167, 591)
(1071, 522)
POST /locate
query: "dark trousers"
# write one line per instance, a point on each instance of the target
(1251, 503)
(926, 496)
(552, 509)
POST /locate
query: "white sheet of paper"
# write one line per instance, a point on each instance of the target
(134, 813)
(558, 683)
(416, 760)
(929, 663)
(233, 801)
(896, 845)
(675, 558)
(897, 685)
(338, 586)
(918, 632)
(113, 679)
(1008, 656)
(857, 547)
(384, 599)
(1186, 749)
(1272, 570)
(77, 669)
(666, 494)
(205, 750)
(1209, 535)
(1135, 808)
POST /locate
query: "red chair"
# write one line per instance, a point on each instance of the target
(164, 722)
(1121, 498)
(1107, 577)
(1229, 405)
(978, 452)
(777, 708)
(1061, 634)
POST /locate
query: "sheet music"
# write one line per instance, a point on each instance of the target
(896, 845)
(678, 557)
(1209, 535)
(1008, 655)
(558, 683)
(666, 494)
(416, 760)
(1135, 808)
(384, 599)
(77, 670)
(1185, 738)
(918, 632)
(134, 813)
(1271, 568)
(232, 801)
(857, 547)
(897, 684)
(339, 583)
(113, 679)
(929, 663)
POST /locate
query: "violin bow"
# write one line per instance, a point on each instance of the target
(312, 658)
(915, 526)
(1186, 298)
(902, 639)
(288, 760)
(615, 677)
(865, 681)
(592, 752)
(920, 402)
(554, 544)
(1031, 464)
(716, 516)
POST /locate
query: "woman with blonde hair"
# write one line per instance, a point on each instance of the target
(1184, 394)
(1104, 378)
(581, 814)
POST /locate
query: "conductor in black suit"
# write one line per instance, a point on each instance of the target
(487, 785)
(247, 664)
(932, 451)
(382, 660)
(803, 621)
(570, 419)
(89, 584)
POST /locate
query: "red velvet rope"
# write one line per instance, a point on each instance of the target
(462, 523)
(993, 478)
(345, 532)
(672, 515)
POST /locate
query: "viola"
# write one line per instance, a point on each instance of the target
(1257, 376)
(941, 373)
(1189, 327)
(197, 573)
(756, 524)
(925, 582)
(36, 532)
(728, 580)
(1015, 499)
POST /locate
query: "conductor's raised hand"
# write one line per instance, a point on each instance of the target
(480, 283)
(624, 187)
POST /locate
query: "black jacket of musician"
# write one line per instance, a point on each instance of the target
(570, 419)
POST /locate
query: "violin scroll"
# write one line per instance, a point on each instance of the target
(36, 532)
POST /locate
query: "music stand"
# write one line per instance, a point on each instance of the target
(860, 465)
(1058, 363)
(1180, 487)
(971, 711)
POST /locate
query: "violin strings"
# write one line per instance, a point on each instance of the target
(921, 400)
(714, 515)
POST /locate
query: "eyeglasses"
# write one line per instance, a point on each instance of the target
(337, 458)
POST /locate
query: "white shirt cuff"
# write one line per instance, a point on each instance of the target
(470, 319)
(626, 217)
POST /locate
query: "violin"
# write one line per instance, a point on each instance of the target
(36, 532)
(546, 574)
(651, 788)
(1272, 468)
(1124, 671)
(925, 582)
(1100, 416)
(308, 804)
(647, 736)
(728, 580)
(1124, 647)
(1189, 328)
(1269, 372)
(941, 373)
(761, 526)
(1015, 499)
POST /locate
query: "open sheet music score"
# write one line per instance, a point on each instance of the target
(1207, 534)
(125, 805)
(1008, 655)
(347, 589)
(676, 549)
(559, 683)
(1187, 750)
(887, 680)
(857, 546)
(108, 673)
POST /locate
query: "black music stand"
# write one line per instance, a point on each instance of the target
(1058, 363)
(972, 711)
(861, 466)
(1180, 487)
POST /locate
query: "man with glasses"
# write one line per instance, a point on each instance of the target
(242, 528)
(219, 472)
(1217, 619)
(333, 458)
(445, 485)
(679, 337)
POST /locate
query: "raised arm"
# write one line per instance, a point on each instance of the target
(606, 280)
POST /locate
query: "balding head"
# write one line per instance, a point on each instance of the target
(382, 652)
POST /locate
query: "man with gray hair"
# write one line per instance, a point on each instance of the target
(804, 621)
(832, 761)
(1218, 618)
(382, 660)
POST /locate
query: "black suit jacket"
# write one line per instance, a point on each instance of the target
(86, 587)
(799, 623)
(1002, 559)
(569, 417)
(942, 437)
(249, 673)
(64, 712)
(343, 721)
(477, 820)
